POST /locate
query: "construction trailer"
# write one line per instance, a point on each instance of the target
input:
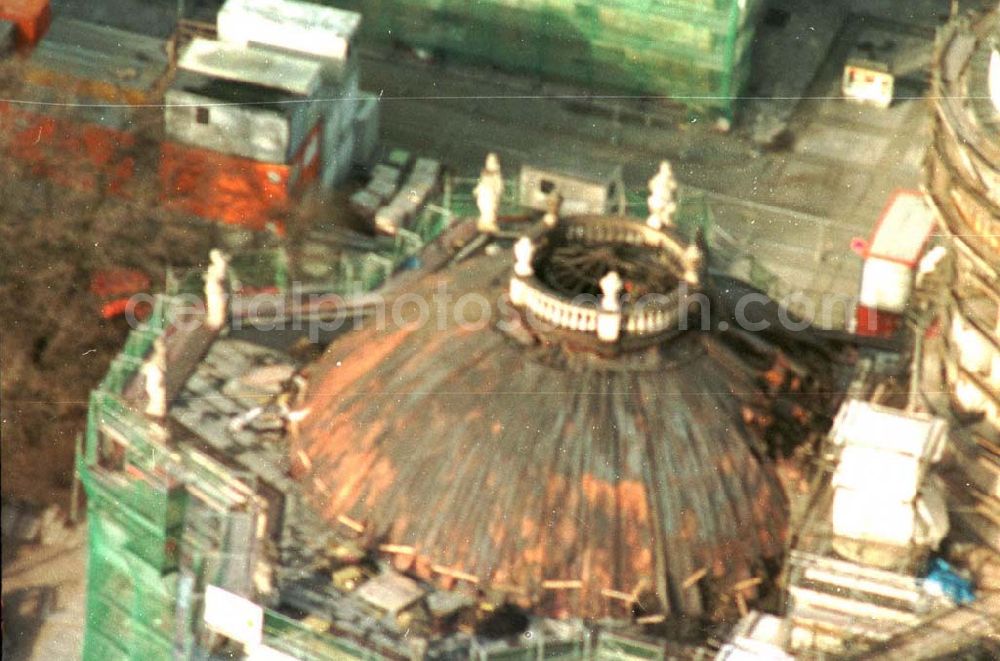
(266, 112)
(697, 52)
(891, 258)
(243, 136)
(321, 34)
(887, 507)
(242, 101)
(594, 189)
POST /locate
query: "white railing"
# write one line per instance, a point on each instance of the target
(642, 319)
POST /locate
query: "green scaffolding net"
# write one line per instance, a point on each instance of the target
(694, 51)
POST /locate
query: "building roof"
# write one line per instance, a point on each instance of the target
(568, 479)
(304, 27)
(265, 68)
(904, 229)
(231, 92)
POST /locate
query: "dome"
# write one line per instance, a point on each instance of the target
(574, 471)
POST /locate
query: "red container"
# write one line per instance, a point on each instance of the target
(108, 283)
(32, 18)
(232, 189)
(870, 322)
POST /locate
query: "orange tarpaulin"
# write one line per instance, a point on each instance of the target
(78, 155)
(32, 18)
(232, 189)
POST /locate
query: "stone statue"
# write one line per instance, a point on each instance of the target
(488, 193)
(554, 202)
(609, 320)
(661, 202)
(154, 372)
(215, 290)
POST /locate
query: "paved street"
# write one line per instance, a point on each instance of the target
(794, 210)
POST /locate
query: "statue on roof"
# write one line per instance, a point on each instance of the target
(488, 193)
(154, 372)
(215, 290)
(661, 202)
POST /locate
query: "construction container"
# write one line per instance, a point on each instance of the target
(696, 52)
(322, 34)
(891, 257)
(886, 505)
(591, 190)
(242, 102)
(32, 18)
(235, 190)
(81, 59)
(85, 149)
(302, 27)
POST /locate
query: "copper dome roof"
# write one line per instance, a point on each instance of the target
(509, 462)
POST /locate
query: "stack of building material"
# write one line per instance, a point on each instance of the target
(31, 18)
(886, 506)
(839, 607)
(694, 50)
(322, 34)
(82, 59)
(243, 132)
(395, 194)
(757, 636)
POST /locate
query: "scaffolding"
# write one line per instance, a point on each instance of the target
(695, 51)
(164, 521)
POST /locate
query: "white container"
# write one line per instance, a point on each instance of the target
(296, 26)
(882, 491)
(243, 101)
(863, 424)
(898, 242)
(591, 190)
(231, 118)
